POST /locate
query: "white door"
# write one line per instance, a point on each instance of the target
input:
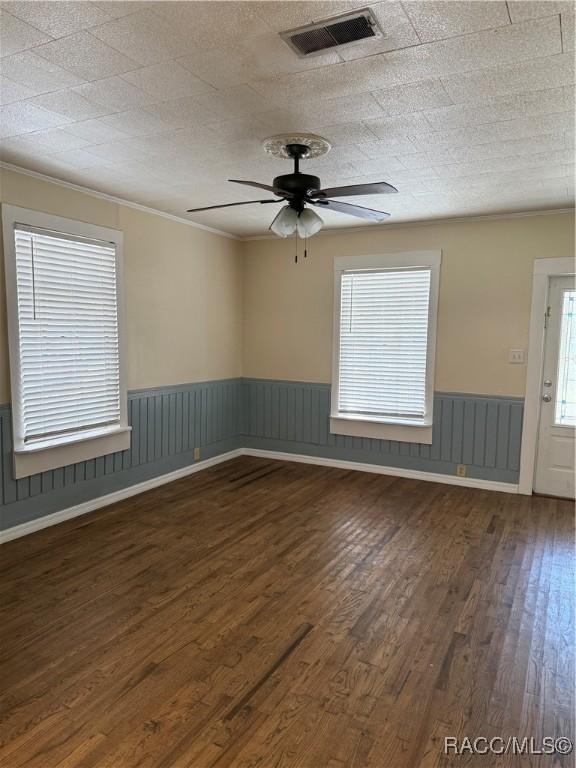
(555, 453)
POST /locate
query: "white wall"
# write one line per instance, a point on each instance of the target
(484, 303)
(183, 287)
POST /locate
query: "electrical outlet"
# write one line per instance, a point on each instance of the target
(461, 470)
(196, 454)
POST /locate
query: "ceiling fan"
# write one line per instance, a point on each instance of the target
(301, 190)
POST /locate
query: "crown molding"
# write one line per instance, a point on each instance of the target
(422, 223)
(114, 199)
(248, 238)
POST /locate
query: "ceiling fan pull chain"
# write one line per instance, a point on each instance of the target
(296, 243)
(305, 248)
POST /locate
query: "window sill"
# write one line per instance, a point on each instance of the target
(402, 431)
(72, 439)
(50, 454)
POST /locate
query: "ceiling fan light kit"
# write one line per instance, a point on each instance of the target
(285, 222)
(288, 221)
(309, 223)
(302, 190)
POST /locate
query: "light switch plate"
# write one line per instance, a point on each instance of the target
(516, 356)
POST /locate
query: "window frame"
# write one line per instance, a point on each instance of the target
(55, 452)
(402, 430)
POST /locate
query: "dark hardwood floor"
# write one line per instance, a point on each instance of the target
(280, 615)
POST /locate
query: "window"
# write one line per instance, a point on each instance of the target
(63, 290)
(384, 344)
(566, 392)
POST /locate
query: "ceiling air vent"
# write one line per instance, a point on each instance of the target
(333, 33)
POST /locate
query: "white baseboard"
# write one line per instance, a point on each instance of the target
(111, 498)
(433, 477)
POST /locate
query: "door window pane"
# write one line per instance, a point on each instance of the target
(566, 390)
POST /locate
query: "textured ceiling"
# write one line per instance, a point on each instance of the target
(466, 107)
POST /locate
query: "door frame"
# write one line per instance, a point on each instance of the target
(544, 269)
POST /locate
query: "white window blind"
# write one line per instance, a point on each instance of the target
(68, 333)
(383, 343)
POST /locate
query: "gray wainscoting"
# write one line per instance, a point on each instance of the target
(218, 416)
(479, 431)
(167, 424)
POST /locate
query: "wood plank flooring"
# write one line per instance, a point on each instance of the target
(277, 615)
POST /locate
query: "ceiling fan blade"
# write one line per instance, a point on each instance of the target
(352, 210)
(378, 188)
(274, 190)
(229, 205)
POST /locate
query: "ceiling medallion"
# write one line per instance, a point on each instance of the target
(276, 145)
